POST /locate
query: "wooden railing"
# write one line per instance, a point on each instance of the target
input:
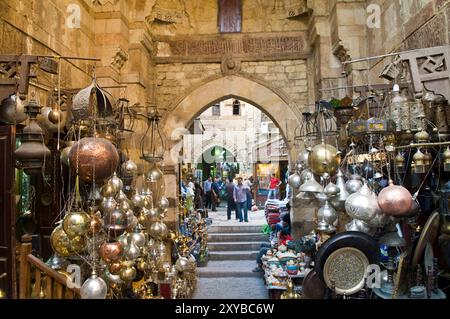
(38, 281)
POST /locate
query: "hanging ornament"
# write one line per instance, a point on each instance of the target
(400, 163)
(137, 237)
(127, 272)
(89, 152)
(108, 204)
(327, 214)
(129, 168)
(137, 200)
(113, 278)
(331, 190)
(94, 288)
(294, 180)
(65, 153)
(182, 264)
(419, 162)
(121, 197)
(131, 251)
(131, 220)
(361, 205)
(115, 222)
(48, 126)
(156, 184)
(111, 251)
(60, 241)
(158, 230)
(395, 200)
(354, 184)
(108, 190)
(163, 203)
(95, 225)
(324, 158)
(311, 186)
(116, 182)
(303, 158)
(446, 159)
(339, 201)
(76, 223)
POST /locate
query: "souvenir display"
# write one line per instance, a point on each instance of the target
(115, 173)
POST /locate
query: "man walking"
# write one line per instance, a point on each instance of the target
(240, 198)
(207, 189)
(230, 198)
(273, 188)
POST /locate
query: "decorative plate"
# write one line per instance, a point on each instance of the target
(359, 240)
(428, 235)
(346, 268)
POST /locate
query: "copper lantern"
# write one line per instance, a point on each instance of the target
(91, 154)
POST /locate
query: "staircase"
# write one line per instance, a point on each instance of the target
(233, 251)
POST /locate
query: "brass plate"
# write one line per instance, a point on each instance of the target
(346, 267)
(428, 235)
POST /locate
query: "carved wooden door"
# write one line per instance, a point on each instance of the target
(7, 210)
(230, 16)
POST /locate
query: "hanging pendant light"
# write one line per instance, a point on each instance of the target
(32, 153)
(339, 201)
(152, 143)
(446, 159)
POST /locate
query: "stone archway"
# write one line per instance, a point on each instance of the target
(180, 115)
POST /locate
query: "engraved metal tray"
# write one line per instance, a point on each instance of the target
(345, 270)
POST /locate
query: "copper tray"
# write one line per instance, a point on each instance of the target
(345, 270)
(428, 235)
(313, 286)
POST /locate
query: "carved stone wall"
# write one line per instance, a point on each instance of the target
(288, 77)
(175, 78)
(407, 25)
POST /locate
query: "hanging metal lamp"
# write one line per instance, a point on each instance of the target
(32, 153)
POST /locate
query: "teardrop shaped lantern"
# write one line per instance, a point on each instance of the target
(32, 154)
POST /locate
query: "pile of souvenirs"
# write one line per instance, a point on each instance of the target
(376, 172)
(284, 263)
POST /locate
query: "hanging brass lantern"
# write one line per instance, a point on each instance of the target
(152, 143)
(32, 153)
(422, 136)
(419, 162)
(428, 159)
(446, 159)
(400, 163)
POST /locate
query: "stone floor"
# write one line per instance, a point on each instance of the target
(231, 288)
(233, 245)
(220, 217)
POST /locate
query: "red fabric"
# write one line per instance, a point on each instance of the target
(285, 239)
(273, 218)
(274, 182)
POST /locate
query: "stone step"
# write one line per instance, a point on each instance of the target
(219, 237)
(232, 245)
(233, 255)
(236, 229)
(228, 268)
